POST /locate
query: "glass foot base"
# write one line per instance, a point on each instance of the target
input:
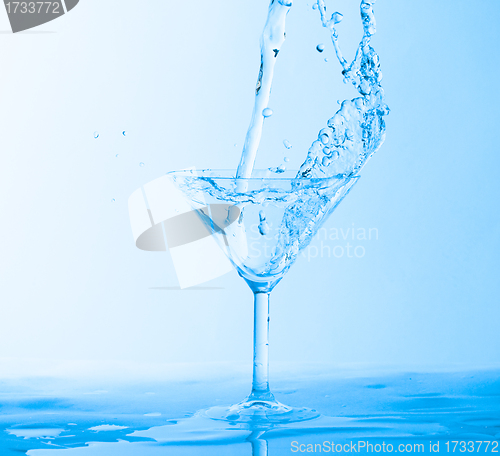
(261, 412)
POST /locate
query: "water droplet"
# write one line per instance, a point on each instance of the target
(263, 226)
(315, 6)
(117, 155)
(286, 159)
(96, 134)
(141, 164)
(113, 200)
(326, 60)
(124, 133)
(320, 47)
(287, 144)
(267, 112)
(235, 145)
(278, 170)
(337, 17)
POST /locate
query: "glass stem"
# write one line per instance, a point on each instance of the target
(260, 384)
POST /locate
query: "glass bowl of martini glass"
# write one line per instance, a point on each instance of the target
(262, 223)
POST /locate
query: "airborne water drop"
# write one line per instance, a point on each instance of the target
(267, 112)
(263, 226)
(337, 17)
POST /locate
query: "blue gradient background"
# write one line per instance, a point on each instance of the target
(179, 78)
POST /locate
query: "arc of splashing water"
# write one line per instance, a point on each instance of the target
(357, 130)
(272, 39)
(331, 26)
(369, 29)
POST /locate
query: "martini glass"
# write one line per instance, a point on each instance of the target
(262, 223)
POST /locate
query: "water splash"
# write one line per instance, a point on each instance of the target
(295, 208)
(351, 136)
(357, 130)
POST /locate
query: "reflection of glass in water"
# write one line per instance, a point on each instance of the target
(259, 446)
